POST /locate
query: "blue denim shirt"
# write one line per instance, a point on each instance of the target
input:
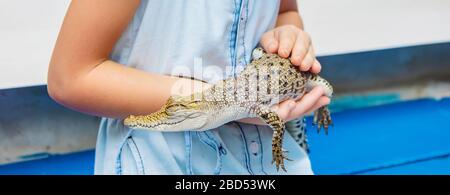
(205, 39)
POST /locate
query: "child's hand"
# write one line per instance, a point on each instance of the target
(311, 101)
(291, 109)
(289, 40)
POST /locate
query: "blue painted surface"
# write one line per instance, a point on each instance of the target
(438, 166)
(392, 137)
(403, 138)
(80, 163)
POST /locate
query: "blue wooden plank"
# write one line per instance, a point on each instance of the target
(79, 163)
(376, 137)
(438, 166)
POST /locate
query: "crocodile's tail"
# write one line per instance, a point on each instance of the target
(315, 80)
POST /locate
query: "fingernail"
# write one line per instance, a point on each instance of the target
(285, 52)
(272, 46)
(304, 67)
(295, 59)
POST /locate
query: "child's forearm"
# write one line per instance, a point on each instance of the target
(113, 90)
(288, 14)
(290, 18)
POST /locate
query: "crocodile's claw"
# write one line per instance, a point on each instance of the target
(322, 118)
(278, 157)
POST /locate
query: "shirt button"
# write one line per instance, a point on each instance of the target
(254, 148)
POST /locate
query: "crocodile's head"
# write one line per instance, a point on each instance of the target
(178, 114)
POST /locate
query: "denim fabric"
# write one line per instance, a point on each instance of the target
(207, 39)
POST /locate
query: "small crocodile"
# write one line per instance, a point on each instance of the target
(267, 80)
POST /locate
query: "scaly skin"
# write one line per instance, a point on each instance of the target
(297, 129)
(267, 80)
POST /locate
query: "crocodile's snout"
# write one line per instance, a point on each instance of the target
(175, 115)
(129, 121)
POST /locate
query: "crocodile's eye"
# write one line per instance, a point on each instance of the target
(175, 107)
(194, 104)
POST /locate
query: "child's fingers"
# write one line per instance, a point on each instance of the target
(300, 49)
(287, 40)
(307, 102)
(308, 61)
(316, 67)
(269, 42)
(321, 102)
(283, 109)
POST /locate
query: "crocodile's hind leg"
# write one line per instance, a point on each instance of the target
(297, 129)
(274, 121)
(322, 118)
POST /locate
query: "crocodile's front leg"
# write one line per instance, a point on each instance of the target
(274, 121)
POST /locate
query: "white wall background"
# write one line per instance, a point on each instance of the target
(341, 26)
(28, 30)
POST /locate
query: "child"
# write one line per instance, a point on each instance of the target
(115, 58)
